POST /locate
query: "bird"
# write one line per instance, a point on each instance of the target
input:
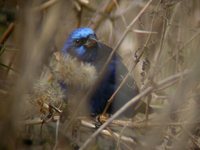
(83, 44)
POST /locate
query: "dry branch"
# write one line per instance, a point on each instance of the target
(132, 101)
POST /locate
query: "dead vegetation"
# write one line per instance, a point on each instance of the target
(159, 43)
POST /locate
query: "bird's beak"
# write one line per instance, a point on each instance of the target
(91, 41)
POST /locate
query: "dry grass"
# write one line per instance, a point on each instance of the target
(159, 43)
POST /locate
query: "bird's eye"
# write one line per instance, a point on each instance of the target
(77, 42)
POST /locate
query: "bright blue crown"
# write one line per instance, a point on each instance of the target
(77, 34)
(81, 33)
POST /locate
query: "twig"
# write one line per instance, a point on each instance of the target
(147, 107)
(121, 15)
(139, 125)
(132, 101)
(115, 49)
(8, 67)
(57, 131)
(182, 47)
(107, 62)
(118, 138)
(4, 92)
(46, 5)
(106, 132)
(129, 27)
(193, 139)
(37, 121)
(55, 108)
(158, 53)
(89, 7)
(149, 36)
(144, 31)
(99, 18)
(91, 124)
(3, 39)
(118, 142)
(7, 33)
(165, 86)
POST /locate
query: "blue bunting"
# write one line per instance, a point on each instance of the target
(83, 44)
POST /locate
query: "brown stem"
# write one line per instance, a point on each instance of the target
(132, 101)
(7, 33)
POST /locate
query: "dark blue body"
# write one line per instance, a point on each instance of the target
(83, 44)
(104, 91)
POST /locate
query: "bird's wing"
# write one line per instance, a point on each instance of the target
(127, 91)
(111, 81)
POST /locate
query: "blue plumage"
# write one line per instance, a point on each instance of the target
(82, 43)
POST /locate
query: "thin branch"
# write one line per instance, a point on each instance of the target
(3, 39)
(108, 60)
(7, 33)
(46, 5)
(121, 15)
(56, 134)
(182, 47)
(38, 121)
(121, 123)
(144, 31)
(116, 48)
(193, 139)
(91, 8)
(94, 23)
(147, 107)
(8, 67)
(119, 139)
(107, 132)
(132, 101)
(158, 53)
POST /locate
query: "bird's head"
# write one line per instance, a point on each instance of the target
(82, 44)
